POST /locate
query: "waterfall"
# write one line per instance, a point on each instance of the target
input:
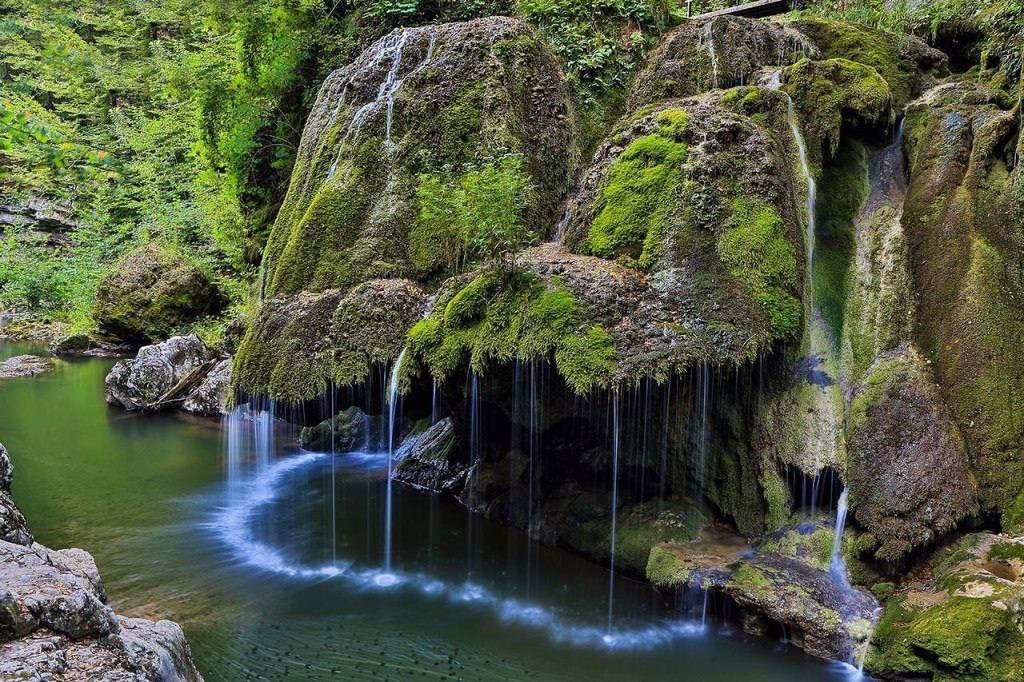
(836, 565)
(714, 55)
(562, 224)
(615, 504)
(391, 426)
(250, 441)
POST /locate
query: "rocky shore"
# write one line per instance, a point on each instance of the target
(55, 623)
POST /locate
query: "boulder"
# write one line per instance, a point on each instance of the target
(152, 293)
(86, 345)
(148, 380)
(210, 397)
(428, 460)
(24, 366)
(908, 474)
(421, 101)
(13, 527)
(346, 431)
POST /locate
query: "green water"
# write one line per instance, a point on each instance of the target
(145, 495)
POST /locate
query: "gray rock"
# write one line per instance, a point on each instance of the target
(6, 469)
(13, 527)
(427, 460)
(211, 396)
(84, 345)
(140, 382)
(344, 432)
(24, 366)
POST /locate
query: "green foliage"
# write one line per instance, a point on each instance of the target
(636, 201)
(755, 250)
(478, 216)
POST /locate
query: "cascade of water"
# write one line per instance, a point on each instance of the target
(250, 442)
(562, 224)
(704, 611)
(435, 401)
(837, 566)
(391, 426)
(710, 38)
(615, 504)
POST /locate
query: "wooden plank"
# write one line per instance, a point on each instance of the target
(753, 10)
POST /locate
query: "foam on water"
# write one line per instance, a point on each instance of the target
(234, 524)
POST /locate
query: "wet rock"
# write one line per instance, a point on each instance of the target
(151, 294)
(210, 397)
(24, 366)
(824, 615)
(959, 618)
(6, 470)
(141, 382)
(909, 478)
(428, 460)
(715, 53)
(347, 431)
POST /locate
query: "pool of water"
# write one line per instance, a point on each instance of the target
(278, 575)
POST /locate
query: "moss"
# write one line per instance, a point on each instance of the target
(665, 570)
(842, 191)
(833, 92)
(963, 634)
(1006, 551)
(635, 201)
(883, 591)
(755, 250)
(1013, 516)
(748, 579)
(813, 548)
(496, 318)
(891, 652)
(875, 390)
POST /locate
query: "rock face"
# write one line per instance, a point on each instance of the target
(13, 527)
(164, 374)
(86, 345)
(421, 100)
(960, 618)
(24, 366)
(715, 53)
(908, 475)
(152, 293)
(962, 218)
(55, 623)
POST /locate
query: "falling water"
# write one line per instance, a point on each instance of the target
(562, 224)
(250, 442)
(837, 566)
(391, 425)
(615, 504)
(714, 55)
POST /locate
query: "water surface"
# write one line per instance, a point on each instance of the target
(276, 578)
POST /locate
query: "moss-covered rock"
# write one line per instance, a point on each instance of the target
(908, 474)
(963, 220)
(962, 623)
(424, 100)
(783, 582)
(152, 293)
(297, 345)
(715, 53)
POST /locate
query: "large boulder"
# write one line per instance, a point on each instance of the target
(141, 382)
(152, 293)
(349, 430)
(422, 100)
(428, 460)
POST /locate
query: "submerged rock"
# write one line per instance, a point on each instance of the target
(23, 366)
(346, 431)
(151, 294)
(150, 379)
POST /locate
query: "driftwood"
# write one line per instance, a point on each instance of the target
(181, 390)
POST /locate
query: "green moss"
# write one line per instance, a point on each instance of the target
(494, 318)
(755, 250)
(1013, 516)
(814, 548)
(831, 92)
(891, 652)
(749, 579)
(1005, 551)
(635, 201)
(665, 570)
(875, 389)
(962, 633)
